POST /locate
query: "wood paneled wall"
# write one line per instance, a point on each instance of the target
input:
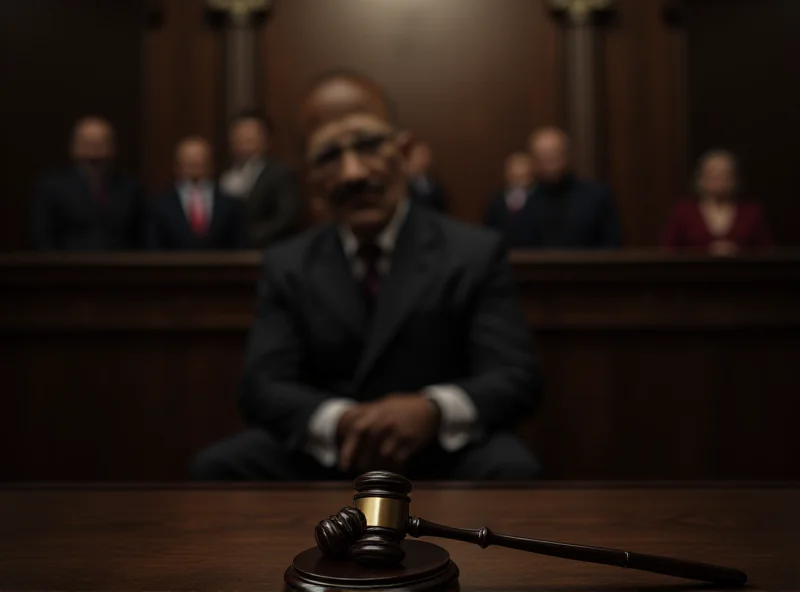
(744, 92)
(123, 367)
(644, 114)
(469, 76)
(183, 86)
(60, 61)
(473, 77)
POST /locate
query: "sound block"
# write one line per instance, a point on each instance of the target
(426, 567)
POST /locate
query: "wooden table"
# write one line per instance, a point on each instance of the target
(177, 538)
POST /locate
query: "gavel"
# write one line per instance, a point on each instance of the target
(370, 532)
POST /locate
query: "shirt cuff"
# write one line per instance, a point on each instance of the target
(321, 442)
(459, 424)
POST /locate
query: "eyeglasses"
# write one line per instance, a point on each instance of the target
(365, 146)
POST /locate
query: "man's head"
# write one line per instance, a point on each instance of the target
(248, 137)
(519, 171)
(420, 159)
(93, 145)
(549, 149)
(193, 160)
(354, 152)
(717, 174)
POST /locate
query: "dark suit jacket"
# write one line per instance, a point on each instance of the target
(592, 221)
(435, 198)
(65, 216)
(273, 207)
(169, 229)
(448, 314)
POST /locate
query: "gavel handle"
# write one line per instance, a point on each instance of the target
(417, 527)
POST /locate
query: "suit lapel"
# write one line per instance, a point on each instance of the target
(217, 212)
(179, 215)
(84, 197)
(413, 266)
(333, 283)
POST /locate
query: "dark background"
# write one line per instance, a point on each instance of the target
(471, 76)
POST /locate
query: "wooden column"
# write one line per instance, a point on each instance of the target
(583, 84)
(242, 19)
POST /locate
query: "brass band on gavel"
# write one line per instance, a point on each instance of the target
(384, 512)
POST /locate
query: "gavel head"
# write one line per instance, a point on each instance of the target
(370, 531)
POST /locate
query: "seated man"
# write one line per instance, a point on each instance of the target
(91, 206)
(264, 185)
(424, 189)
(391, 338)
(513, 197)
(193, 214)
(563, 211)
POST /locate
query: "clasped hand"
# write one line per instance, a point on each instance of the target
(384, 434)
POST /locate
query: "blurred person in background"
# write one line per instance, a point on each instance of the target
(90, 206)
(424, 189)
(503, 211)
(265, 186)
(717, 222)
(392, 337)
(563, 211)
(194, 214)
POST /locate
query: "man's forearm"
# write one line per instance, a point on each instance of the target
(283, 408)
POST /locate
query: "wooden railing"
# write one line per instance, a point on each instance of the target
(122, 366)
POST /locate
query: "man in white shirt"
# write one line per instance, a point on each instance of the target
(391, 338)
(264, 184)
(193, 214)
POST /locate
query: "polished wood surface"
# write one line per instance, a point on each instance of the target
(243, 539)
(654, 367)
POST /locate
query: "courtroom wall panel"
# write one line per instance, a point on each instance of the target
(744, 92)
(643, 112)
(183, 54)
(123, 367)
(62, 60)
(472, 77)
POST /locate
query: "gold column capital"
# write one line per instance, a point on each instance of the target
(240, 11)
(580, 11)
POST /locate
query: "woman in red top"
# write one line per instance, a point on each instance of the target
(717, 222)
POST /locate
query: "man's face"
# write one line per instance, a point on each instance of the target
(519, 172)
(248, 139)
(93, 146)
(419, 160)
(717, 177)
(193, 162)
(549, 152)
(356, 163)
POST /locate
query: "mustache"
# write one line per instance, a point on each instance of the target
(356, 189)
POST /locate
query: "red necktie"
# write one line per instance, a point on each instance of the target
(198, 216)
(370, 254)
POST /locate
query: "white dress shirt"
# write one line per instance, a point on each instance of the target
(206, 188)
(459, 417)
(238, 181)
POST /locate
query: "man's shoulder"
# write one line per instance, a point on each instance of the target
(591, 187)
(290, 253)
(464, 237)
(275, 169)
(160, 198)
(58, 178)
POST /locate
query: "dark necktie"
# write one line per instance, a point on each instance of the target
(100, 192)
(370, 254)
